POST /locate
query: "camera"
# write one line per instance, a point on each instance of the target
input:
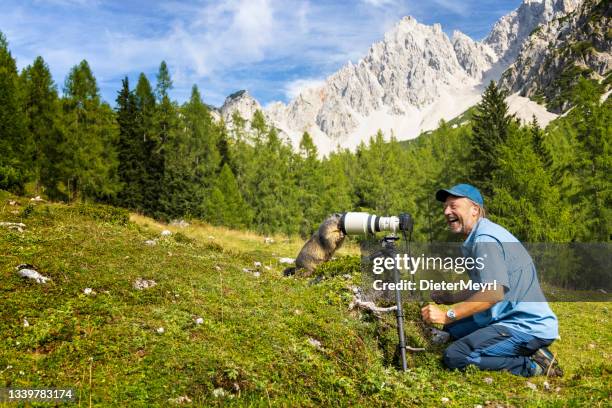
(354, 223)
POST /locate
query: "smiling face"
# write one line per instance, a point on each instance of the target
(461, 214)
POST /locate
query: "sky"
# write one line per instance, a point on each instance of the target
(272, 48)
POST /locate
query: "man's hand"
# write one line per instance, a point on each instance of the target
(433, 314)
(442, 297)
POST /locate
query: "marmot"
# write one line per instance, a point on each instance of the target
(319, 248)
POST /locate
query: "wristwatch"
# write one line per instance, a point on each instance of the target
(451, 314)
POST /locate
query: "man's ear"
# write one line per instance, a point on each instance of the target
(475, 210)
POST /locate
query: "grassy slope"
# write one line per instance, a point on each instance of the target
(254, 341)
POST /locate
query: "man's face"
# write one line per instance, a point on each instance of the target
(461, 214)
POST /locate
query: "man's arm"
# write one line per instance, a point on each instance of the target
(478, 302)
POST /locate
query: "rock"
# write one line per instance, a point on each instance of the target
(89, 291)
(247, 270)
(488, 380)
(286, 260)
(13, 202)
(546, 385)
(315, 343)
(211, 237)
(15, 226)
(180, 400)
(445, 400)
(36, 199)
(477, 406)
(592, 346)
(151, 242)
(544, 60)
(268, 240)
(218, 393)
(257, 264)
(160, 330)
(256, 274)
(141, 284)
(166, 233)
(25, 322)
(179, 223)
(28, 271)
(199, 320)
(267, 268)
(531, 385)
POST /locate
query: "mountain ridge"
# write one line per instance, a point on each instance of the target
(406, 83)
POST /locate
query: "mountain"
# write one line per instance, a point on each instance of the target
(561, 51)
(407, 82)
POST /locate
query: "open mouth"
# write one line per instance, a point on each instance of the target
(452, 221)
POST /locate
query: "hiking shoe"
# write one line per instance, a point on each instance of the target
(546, 363)
(439, 337)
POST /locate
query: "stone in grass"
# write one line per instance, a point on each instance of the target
(315, 343)
(488, 380)
(180, 400)
(15, 226)
(160, 330)
(445, 400)
(30, 272)
(89, 291)
(257, 264)
(199, 320)
(218, 393)
(531, 385)
(166, 233)
(287, 261)
(25, 322)
(141, 284)
(179, 223)
(151, 242)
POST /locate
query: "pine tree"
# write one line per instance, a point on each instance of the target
(147, 134)
(379, 182)
(593, 160)
(309, 181)
(90, 162)
(539, 143)
(225, 204)
(14, 159)
(41, 108)
(132, 160)
(490, 124)
(525, 199)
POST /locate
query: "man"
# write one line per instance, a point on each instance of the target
(508, 326)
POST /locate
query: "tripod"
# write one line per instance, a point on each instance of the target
(389, 251)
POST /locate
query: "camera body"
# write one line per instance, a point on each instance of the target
(356, 223)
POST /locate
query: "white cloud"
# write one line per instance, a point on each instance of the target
(294, 88)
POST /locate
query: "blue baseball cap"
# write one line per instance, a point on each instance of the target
(461, 190)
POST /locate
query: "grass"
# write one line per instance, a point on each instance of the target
(265, 340)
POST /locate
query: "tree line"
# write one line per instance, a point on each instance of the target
(168, 160)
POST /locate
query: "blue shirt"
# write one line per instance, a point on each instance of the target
(506, 262)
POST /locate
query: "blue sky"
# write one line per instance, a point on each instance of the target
(272, 48)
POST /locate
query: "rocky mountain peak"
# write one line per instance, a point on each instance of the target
(241, 102)
(406, 83)
(509, 33)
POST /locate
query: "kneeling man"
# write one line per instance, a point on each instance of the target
(506, 328)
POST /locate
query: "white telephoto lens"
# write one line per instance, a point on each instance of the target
(355, 223)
